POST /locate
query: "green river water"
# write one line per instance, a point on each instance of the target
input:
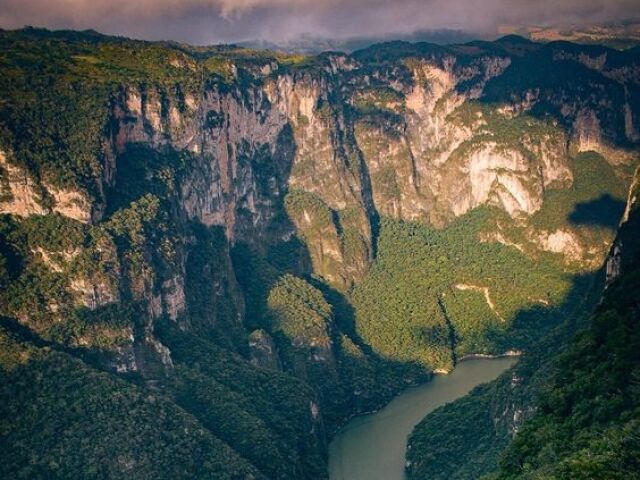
(372, 447)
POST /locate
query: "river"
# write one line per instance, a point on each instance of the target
(372, 447)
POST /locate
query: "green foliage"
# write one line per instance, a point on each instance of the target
(503, 128)
(106, 328)
(82, 422)
(587, 424)
(145, 236)
(220, 66)
(397, 305)
(303, 328)
(31, 286)
(227, 413)
(379, 102)
(48, 259)
(210, 413)
(579, 393)
(130, 223)
(142, 170)
(56, 90)
(256, 274)
(597, 189)
(300, 311)
(32, 294)
(463, 440)
(458, 440)
(338, 242)
(317, 224)
(211, 294)
(299, 201)
(561, 81)
(53, 233)
(277, 399)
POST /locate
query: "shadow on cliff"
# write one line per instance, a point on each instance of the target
(604, 211)
(344, 314)
(494, 411)
(561, 81)
(534, 323)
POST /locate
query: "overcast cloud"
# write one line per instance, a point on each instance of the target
(216, 21)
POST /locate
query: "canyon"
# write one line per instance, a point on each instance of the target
(262, 245)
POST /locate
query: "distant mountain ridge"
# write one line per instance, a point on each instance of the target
(620, 36)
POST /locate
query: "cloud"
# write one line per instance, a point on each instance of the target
(214, 21)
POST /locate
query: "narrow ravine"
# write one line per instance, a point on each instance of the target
(372, 447)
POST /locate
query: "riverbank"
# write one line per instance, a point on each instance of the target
(373, 446)
(475, 356)
(428, 378)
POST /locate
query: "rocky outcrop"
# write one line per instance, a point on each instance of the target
(502, 178)
(626, 249)
(406, 139)
(22, 195)
(173, 297)
(19, 195)
(613, 267)
(561, 241)
(93, 293)
(263, 350)
(70, 203)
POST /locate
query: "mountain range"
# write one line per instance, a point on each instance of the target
(213, 257)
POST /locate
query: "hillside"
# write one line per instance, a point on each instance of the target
(577, 384)
(587, 421)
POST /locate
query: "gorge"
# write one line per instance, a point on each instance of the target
(212, 258)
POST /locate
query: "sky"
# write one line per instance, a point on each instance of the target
(224, 21)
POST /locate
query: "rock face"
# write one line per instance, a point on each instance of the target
(411, 138)
(625, 248)
(263, 350)
(19, 196)
(561, 241)
(22, 195)
(322, 152)
(408, 143)
(270, 150)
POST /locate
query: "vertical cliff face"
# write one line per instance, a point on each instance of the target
(237, 148)
(245, 149)
(425, 135)
(265, 149)
(624, 251)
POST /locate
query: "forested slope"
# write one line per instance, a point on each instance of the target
(577, 387)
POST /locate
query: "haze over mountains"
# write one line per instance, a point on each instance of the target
(280, 21)
(619, 36)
